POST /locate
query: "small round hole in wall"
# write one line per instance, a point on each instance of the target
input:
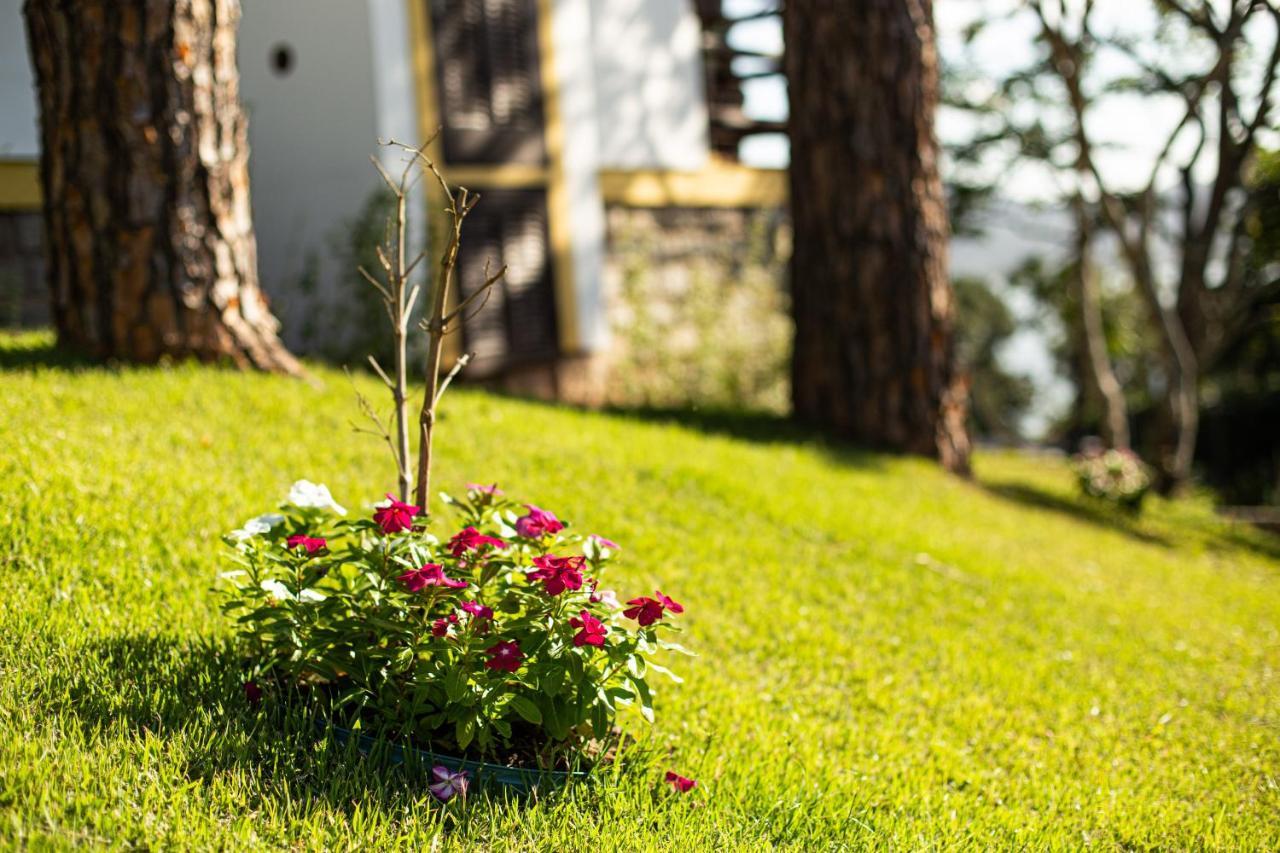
(282, 60)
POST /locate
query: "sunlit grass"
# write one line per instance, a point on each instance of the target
(888, 656)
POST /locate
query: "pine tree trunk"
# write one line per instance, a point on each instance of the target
(871, 298)
(144, 168)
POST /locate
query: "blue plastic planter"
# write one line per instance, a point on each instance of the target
(481, 773)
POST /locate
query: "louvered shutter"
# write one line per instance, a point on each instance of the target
(487, 76)
(517, 326)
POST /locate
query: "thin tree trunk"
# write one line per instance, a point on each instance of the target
(144, 168)
(1115, 421)
(872, 302)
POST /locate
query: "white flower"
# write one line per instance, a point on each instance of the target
(280, 591)
(307, 494)
(257, 526)
(277, 590)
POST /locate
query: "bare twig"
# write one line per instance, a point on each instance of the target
(463, 361)
(458, 204)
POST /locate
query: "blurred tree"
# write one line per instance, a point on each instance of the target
(1203, 58)
(1240, 452)
(145, 175)
(998, 399)
(873, 307)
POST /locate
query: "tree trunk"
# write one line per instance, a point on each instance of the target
(144, 168)
(1098, 372)
(872, 302)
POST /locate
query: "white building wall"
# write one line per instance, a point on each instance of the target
(575, 73)
(649, 85)
(311, 131)
(19, 137)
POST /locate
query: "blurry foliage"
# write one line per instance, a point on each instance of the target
(1240, 444)
(1129, 338)
(998, 398)
(346, 325)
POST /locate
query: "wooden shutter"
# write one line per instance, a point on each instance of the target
(487, 76)
(517, 326)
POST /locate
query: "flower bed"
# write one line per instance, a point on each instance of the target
(1117, 476)
(498, 643)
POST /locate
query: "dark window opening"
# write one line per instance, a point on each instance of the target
(282, 59)
(517, 325)
(487, 71)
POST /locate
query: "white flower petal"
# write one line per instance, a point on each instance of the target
(309, 495)
(277, 589)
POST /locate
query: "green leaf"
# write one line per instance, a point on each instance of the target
(455, 684)
(646, 699)
(525, 708)
(464, 730)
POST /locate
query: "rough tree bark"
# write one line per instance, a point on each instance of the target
(872, 302)
(144, 168)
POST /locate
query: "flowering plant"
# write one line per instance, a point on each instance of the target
(499, 640)
(1115, 475)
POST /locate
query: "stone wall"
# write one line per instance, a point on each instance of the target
(697, 307)
(24, 296)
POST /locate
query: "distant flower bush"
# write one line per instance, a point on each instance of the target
(497, 642)
(1118, 476)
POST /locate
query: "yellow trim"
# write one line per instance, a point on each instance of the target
(506, 176)
(20, 185)
(720, 184)
(559, 227)
(423, 42)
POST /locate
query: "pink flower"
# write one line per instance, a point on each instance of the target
(680, 783)
(646, 610)
(252, 693)
(395, 516)
(311, 544)
(440, 628)
(606, 543)
(432, 574)
(485, 490)
(470, 539)
(504, 656)
(447, 784)
(537, 523)
(477, 609)
(592, 630)
(558, 573)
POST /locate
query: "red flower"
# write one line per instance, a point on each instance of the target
(504, 656)
(558, 573)
(680, 783)
(537, 522)
(592, 630)
(646, 610)
(432, 574)
(470, 539)
(477, 609)
(252, 693)
(440, 628)
(311, 544)
(395, 516)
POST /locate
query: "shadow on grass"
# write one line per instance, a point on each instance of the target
(193, 694)
(33, 350)
(754, 427)
(1111, 517)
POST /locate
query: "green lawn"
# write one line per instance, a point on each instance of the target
(889, 657)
